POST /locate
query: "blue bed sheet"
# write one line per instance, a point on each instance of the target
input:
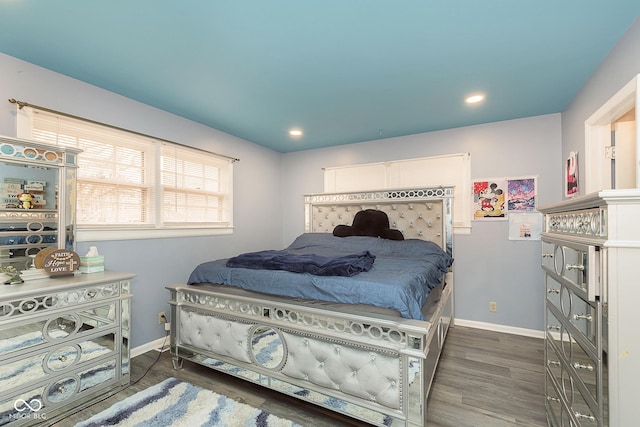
(402, 275)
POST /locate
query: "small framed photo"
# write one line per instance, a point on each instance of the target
(572, 174)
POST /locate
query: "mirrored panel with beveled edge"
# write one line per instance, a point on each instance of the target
(66, 357)
(37, 200)
(267, 347)
(29, 220)
(17, 338)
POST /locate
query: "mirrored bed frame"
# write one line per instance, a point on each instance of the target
(364, 362)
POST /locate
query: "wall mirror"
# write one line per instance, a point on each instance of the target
(37, 200)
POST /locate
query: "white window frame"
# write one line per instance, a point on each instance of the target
(156, 228)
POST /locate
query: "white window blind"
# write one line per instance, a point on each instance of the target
(194, 191)
(131, 181)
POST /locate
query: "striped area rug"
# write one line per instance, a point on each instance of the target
(177, 403)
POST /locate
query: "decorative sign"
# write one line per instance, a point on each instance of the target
(61, 262)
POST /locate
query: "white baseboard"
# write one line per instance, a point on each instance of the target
(161, 344)
(500, 328)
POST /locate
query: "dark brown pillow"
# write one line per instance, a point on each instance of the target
(369, 222)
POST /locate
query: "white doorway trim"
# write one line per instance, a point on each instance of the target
(597, 130)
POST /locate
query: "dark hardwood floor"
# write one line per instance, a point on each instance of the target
(484, 379)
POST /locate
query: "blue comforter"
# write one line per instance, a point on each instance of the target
(341, 265)
(401, 277)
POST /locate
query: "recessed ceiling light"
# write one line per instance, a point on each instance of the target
(295, 132)
(474, 99)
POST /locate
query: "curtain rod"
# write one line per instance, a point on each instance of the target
(22, 104)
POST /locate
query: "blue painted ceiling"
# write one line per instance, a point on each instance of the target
(342, 71)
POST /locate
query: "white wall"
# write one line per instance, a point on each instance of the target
(488, 266)
(616, 70)
(157, 262)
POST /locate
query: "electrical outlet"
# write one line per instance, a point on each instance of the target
(493, 306)
(162, 318)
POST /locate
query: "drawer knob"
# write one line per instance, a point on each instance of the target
(553, 291)
(92, 293)
(62, 358)
(547, 255)
(575, 267)
(553, 327)
(581, 366)
(553, 362)
(584, 417)
(583, 317)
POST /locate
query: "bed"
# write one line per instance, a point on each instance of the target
(363, 353)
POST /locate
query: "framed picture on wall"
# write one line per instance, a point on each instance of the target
(489, 197)
(572, 174)
(521, 194)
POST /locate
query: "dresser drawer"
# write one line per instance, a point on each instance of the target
(558, 369)
(49, 399)
(31, 225)
(553, 362)
(25, 238)
(578, 412)
(43, 331)
(576, 265)
(586, 372)
(558, 411)
(575, 369)
(582, 412)
(69, 386)
(583, 315)
(40, 304)
(30, 368)
(553, 404)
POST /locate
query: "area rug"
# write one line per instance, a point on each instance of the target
(177, 403)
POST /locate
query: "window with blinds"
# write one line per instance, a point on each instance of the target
(193, 190)
(128, 180)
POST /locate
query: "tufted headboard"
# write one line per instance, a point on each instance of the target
(419, 213)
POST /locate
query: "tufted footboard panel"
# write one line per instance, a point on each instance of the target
(362, 373)
(220, 336)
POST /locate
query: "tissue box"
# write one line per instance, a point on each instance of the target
(92, 269)
(92, 260)
(91, 264)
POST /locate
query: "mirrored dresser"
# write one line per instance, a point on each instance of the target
(591, 264)
(64, 341)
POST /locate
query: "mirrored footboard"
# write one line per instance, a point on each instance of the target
(376, 369)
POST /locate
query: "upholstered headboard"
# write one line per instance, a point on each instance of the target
(419, 213)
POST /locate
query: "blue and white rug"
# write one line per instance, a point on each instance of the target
(177, 403)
